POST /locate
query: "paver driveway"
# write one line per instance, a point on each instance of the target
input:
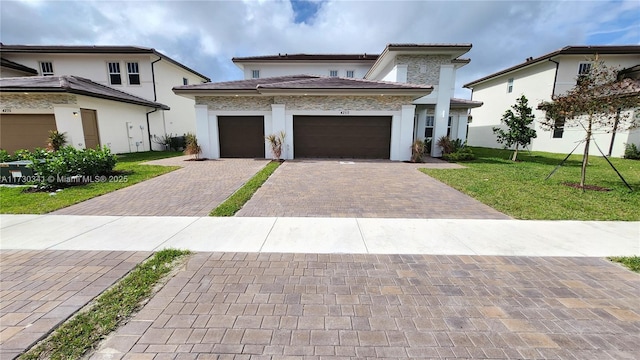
(41, 289)
(340, 306)
(370, 189)
(194, 190)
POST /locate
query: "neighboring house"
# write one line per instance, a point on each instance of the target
(337, 106)
(90, 114)
(539, 79)
(138, 71)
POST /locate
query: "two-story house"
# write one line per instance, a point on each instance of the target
(334, 105)
(539, 79)
(127, 99)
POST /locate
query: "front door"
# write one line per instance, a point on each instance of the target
(90, 128)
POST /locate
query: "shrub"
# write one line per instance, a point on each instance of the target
(56, 140)
(192, 147)
(631, 151)
(462, 154)
(449, 146)
(54, 169)
(5, 156)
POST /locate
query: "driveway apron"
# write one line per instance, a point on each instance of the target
(341, 306)
(194, 190)
(363, 189)
(41, 289)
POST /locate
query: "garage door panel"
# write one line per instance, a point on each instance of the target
(241, 136)
(25, 131)
(342, 136)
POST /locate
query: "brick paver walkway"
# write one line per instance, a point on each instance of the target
(194, 190)
(370, 189)
(41, 289)
(264, 306)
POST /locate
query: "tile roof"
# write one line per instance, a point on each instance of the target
(567, 50)
(308, 57)
(464, 103)
(15, 66)
(73, 85)
(301, 83)
(92, 49)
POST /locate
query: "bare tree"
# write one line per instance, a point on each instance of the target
(599, 101)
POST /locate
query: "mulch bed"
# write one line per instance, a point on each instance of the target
(586, 187)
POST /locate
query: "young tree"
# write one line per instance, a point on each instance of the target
(599, 101)
(518, 132)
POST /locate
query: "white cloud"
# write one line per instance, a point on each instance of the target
(206, 34)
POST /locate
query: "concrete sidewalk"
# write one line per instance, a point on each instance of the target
(321, 235)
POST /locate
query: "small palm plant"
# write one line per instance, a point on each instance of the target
(192, 147)
(276, 141)
(56, 140)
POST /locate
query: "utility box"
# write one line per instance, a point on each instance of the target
(15, 172)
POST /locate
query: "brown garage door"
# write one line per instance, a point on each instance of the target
(241, 136)
(358, 137)
(25, 131)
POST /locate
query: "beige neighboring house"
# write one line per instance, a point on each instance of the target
(143, 73)
(90, 114)
(539, 79)
(334, 105)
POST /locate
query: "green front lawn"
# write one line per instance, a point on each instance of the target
(518, 189)
(15, 201)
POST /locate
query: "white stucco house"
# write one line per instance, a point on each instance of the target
(143, 73)
(539, 79)
(334, 105)
(90, 114)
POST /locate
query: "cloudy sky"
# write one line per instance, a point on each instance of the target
(205, 35)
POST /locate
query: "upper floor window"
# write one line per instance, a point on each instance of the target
(134, 73)
(114, 73)
(46, 68)
(583, 70)
(185, 81)
(333, 73)
(255, 74)
(350, 73)
(510, 85)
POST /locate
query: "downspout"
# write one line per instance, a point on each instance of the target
(155, 98)
(555, 78)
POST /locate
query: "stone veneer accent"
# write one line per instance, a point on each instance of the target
(35, 101)
(236, 103)
(354, 103)
(321, 103)
(432, 63)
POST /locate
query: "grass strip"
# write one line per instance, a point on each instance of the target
(82, 332)
(236, 201)
(632, 262)
(13, 200)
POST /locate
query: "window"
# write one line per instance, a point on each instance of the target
(449, 127)
(333, 73)
(114, 73)
(428, 131)
(558, 128)
(185, 81)
(583, 71)
(350, 73)
(510, 85)
(134, 73)
(255, 74)
(46, 68)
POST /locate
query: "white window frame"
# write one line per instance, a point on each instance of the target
(133, 65)
(509, 85)
(352, 73)
(333, 73)
(255, 74)
(582, 66)
(429, 123)
(50, 68)
(111, 70)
